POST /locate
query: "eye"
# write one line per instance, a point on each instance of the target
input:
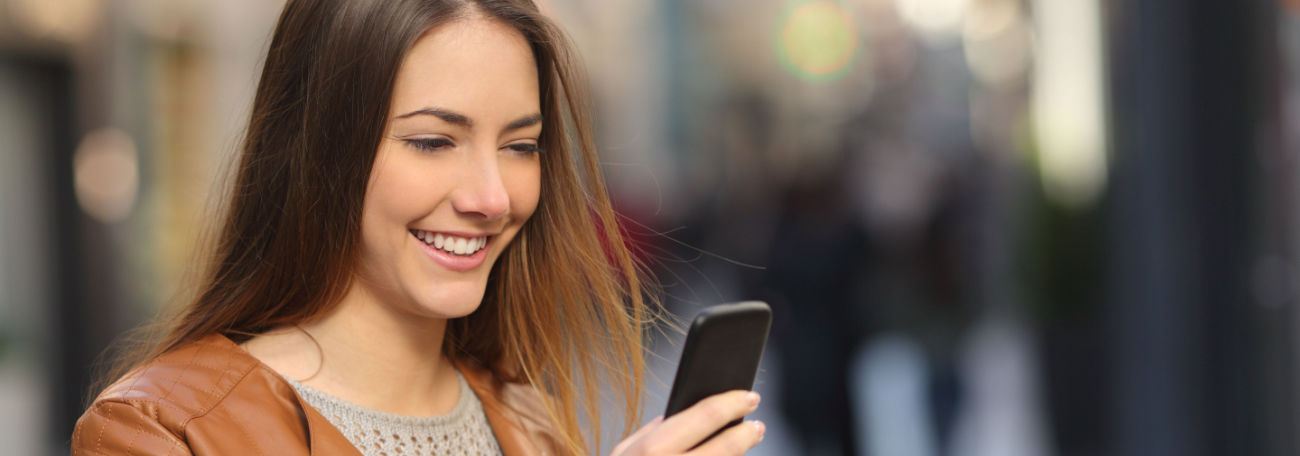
(524, 148)
(429, 144)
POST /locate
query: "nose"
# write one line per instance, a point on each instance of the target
(482, 190)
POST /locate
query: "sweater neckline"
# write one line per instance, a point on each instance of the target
(464, 404)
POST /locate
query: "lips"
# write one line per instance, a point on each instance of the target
(455, 245)
(457, 253)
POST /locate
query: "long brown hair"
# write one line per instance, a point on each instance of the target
(565, 307)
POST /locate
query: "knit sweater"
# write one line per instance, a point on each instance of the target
(463, 431)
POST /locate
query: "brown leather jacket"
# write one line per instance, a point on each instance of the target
(211, 397)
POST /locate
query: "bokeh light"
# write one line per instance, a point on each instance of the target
(937, 22)
(106, 174)
(817, 40)
(1068, 102)
(63, 20)
(998, 43)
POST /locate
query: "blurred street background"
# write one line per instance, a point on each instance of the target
(986, 227)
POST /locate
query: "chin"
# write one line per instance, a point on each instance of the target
(450, 301)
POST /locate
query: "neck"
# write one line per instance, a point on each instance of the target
(381, 357)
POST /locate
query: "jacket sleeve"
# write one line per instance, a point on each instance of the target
(114, 427)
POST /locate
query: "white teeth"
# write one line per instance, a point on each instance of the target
(452, 244)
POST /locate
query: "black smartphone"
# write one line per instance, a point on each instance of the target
(722, 351)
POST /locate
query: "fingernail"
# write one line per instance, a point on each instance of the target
(753, 399)
(761, 428)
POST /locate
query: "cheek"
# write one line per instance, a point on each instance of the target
(525, 188)
(391, 194)
(389, 206)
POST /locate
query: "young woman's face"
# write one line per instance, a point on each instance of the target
(457, 172)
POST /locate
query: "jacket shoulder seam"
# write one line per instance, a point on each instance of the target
(100, 408)
(215, 394)
(219, 400)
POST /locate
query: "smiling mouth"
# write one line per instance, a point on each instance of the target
(454, 245)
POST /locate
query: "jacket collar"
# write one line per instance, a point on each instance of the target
(521, 414)
(507, 423)
(322, 437)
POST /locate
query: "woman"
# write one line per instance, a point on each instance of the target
(418, 257)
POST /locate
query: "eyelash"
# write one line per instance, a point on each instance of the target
(434, 144)
(525, 148)
(429, 145)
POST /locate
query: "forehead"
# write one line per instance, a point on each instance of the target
(477, 66)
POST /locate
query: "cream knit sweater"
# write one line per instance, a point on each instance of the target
(464, 431)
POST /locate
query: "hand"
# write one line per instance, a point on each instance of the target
(681, 432)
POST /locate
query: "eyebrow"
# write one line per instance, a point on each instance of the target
(461, 120)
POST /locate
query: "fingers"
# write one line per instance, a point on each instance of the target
(735, 440)
(686, 429)
(683, 431)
